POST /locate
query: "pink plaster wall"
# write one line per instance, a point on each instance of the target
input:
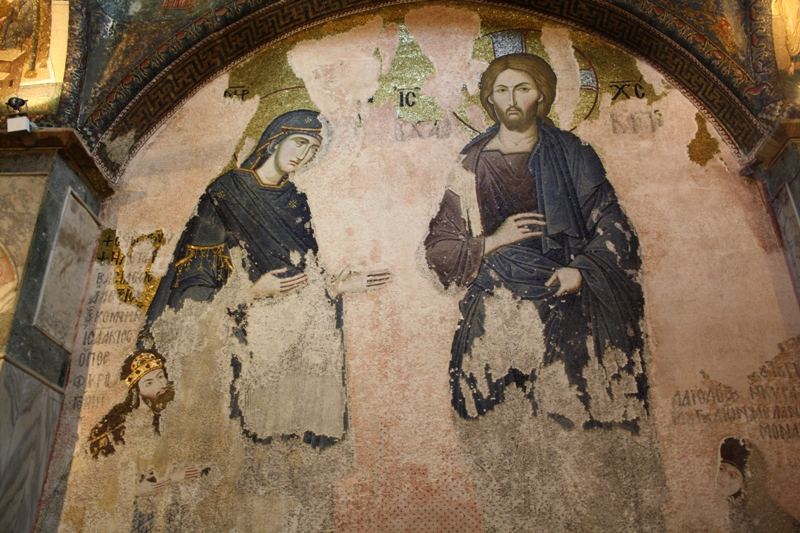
(719, 296)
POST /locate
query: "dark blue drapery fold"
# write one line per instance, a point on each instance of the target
(586, 229)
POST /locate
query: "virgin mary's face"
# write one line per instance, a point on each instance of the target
(295, 151)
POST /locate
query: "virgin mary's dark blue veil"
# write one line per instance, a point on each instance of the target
(300, 121)
(273, 224)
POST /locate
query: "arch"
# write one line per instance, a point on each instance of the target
(216, 41)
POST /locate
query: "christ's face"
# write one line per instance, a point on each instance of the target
(295, 151)
(515, 98)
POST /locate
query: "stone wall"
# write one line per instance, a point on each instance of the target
(48, 234)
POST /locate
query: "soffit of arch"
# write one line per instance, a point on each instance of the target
(722, 59)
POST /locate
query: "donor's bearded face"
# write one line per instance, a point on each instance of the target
(516, 99)
(155, 390)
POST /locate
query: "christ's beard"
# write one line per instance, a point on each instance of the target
(163, 397)
(519, 122)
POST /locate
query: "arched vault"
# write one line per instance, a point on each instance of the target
(735, 85)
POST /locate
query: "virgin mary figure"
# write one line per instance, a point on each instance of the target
(285, 340)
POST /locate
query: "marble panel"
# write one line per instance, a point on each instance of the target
(62, 176)
(789, 222)
(20, 199)
(65, 281)
(28, 418)
(786, 168)
(27, 344)
(27, 162)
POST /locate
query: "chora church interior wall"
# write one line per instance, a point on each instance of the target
(411, 267)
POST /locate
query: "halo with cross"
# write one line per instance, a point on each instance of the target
(508, 42)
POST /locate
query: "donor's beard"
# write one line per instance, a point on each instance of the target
(163, 397)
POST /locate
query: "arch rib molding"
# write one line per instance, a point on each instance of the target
(219, 39)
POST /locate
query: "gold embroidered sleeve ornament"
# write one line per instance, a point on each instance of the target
(220, 260)
(142, 364)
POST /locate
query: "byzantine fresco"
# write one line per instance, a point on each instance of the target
(381, 277)
(724, 26)
(116, 31)
(731, 37)
(33, 51)
(786, 32)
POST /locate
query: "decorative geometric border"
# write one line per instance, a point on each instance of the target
(756, 82)
(233, 32)
(77, 50)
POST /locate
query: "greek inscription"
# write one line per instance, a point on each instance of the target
(93, 316)
(109, 250)
(108, 241)
(407, 131)
(759, 412)
(141, 258)
(407, 97)
(236, 91)
(788, 369)
(136, 277)
(103, 297)
(781, 393)
(636, 122)
(93, 358)
(89, 402)
(98, 380)
(786, 411)
(627, 89)
(721, 415)
(693, 397)
(114, 317)
(109, 236)
(779, 431)
(113, 336)
(730, 414)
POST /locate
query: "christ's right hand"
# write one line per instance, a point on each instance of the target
(514, 229)
(270, 285)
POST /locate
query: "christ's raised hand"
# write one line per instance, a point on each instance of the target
(514, 229)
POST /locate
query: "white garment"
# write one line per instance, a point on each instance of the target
(292, 367)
